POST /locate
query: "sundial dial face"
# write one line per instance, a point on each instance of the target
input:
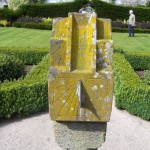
(81, 76)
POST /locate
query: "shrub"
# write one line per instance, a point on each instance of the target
(27, 96)
(125, 30)
(108, 10)
(103, 9)
(146, 77)
(4, 23)
(130, 92)
(14, 4)
(10, 67)
(148, 4)
(27, 55)
(43, 26)
(138, 60)
(121, 24)
(29, 19)
(7, 14)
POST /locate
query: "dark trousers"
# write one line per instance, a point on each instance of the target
(131, 30)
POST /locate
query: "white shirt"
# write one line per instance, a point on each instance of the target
(132, 19)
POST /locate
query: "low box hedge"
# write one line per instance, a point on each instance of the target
(42, 26)
(146, 77)
(27, 55)
(130, 92)
(10, 67)
(139, 60)
(125, 30)
(26, 96)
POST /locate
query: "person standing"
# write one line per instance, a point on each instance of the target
(131, 23)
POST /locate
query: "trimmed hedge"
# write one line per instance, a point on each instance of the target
(26, 96)
(109, 10)
(27, 55)
(10, 67)
(43, 26)
(125, 30)
(103, 9)
(138, 60)
(130, 92)
(146, 77)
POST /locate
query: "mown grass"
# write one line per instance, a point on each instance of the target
(141, 42)
(20, 37)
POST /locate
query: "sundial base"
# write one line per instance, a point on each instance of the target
(80, 135)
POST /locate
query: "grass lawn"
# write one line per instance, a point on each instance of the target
(141, 42)
(21, 37)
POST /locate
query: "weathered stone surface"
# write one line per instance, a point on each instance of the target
(79, 136)
(81, 75)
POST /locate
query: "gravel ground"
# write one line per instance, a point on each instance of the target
(124, 132)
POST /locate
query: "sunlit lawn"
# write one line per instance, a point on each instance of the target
(141, 42)
(20, 37)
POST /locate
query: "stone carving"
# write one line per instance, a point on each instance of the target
(81, 76)
(80, 80)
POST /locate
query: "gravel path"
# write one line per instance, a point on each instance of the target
(124, 132)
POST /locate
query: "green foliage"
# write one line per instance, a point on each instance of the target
(27, 55)
(42, 26)
(38, 1)
(47, 20)
(108, 10)
(148, 4)
(26, 96)
(10, 67)
(103, 9)
(14, 4)
(49, 10)
(7, 14)
(146, 77)
(4, 23)
(138, 60)
(125, 30)
(130, 92)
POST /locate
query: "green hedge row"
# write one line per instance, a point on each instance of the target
(138, 60)
(125, 30)
(27, 55)
(10, 67)
(108, 10)
(43, 26)
(130, 92)
(146, 77)
(26, 96)
(103, 9)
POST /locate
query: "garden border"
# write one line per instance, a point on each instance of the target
(130, 92)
